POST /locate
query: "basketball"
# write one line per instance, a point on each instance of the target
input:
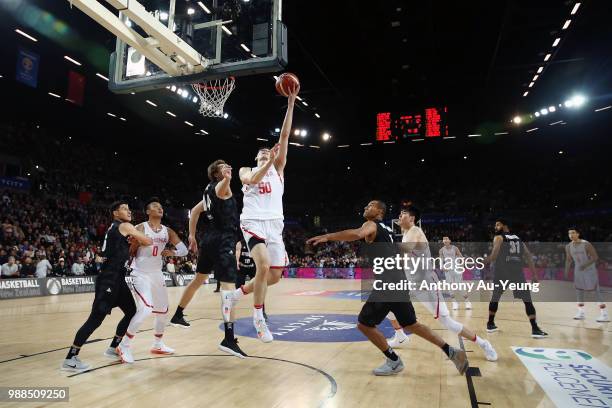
(286, 82)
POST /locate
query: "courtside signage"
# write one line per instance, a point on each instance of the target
(570, 378)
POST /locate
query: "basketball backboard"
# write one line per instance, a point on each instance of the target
(233, 37)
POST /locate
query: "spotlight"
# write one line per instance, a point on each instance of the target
(544, 111)
(190, 11)
(225, 116)
(296, 132)
(173, 88)
(537, 114)
(303, 133)
(277, 130)
(569, 103)
(517, 120)
(163, 16)
(579, 100)
(326, 136)
(552, 109)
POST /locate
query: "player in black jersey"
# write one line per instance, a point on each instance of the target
(374, 312)
(111, 289)
(216, 250)
(507, 258)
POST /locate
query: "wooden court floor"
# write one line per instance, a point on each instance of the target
(36, 332)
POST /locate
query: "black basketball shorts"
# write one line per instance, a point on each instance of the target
(218, 253)
(373, 313)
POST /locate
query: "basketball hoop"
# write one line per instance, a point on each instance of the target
(213, 95)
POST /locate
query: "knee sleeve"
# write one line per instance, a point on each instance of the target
(451, 324)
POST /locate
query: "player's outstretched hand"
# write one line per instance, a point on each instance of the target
(193, 244)
(319, 239)
(167, 252)
(274, 152)
(293, 93)
(226, 171)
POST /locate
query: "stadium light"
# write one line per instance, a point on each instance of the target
(225, 115)
(75, 62)
(517, 119)
(190, 11)
(537, 114)
(556, 42)
(547, 57)
(326, 136)
(575, 9)
(544, 111)
(567, 23)
(26, 35)
(552, 109)
(173, 88)
(526, 93)
(303, 133)
(296, 132)
(204, 7)
(276, 130)
(163, 16)
(540, 70)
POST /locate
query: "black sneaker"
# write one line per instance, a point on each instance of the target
(491, 327)
(179, 321)
(231, 347)
(537, 333)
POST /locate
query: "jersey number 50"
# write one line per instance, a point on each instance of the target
(265, 187)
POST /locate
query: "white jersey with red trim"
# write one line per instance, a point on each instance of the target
(264, 200)
(580, 256)
(148, 258)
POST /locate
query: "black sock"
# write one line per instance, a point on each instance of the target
(391, 354)
(74, 351)
(179, 311)
(229, 331)
(534, 325)
(492, 319)
(116, 341)
(446, 349)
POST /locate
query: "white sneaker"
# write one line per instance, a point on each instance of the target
(603, 316)
(398, 341)
(490, 353)
(579, 315)
(74, 364)
(160, 348)
(112, 353)
(455, 305)
(262, 330)
(125, 353)
(468, 305)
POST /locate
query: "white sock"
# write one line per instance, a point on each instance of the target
(480, 341)
(258, 313)
(157, 341)
(226, 304)
(400, 333)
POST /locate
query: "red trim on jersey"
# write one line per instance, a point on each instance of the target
(155, 311)
(143, 299)
(252, 233)
(277, 267)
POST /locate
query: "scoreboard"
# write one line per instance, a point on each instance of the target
(394, 126)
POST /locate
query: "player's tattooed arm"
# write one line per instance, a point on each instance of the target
(367, 231)
(193, 223)
(222, 189)
(127, 229)
(593, 257)
(173, 238)
(497, 242)
(248, 176)
(283, 140)
(529, 259)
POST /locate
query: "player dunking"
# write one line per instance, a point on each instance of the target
(584, 256)
(111, 289)
(413, 237)
(449, 253)
(374, 312)
(261, 220)
(508, 251)
(148, 280)
(216, 251)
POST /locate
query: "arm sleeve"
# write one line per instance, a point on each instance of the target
(181, 249)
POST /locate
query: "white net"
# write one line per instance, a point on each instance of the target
(213, 95)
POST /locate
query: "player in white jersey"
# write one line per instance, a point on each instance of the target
(148, 281)
(584, 256)
(261, 220)
(449, 255)
(432, 300)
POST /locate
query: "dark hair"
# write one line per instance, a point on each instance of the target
(502, 220)
(575, 229)
(150, 201)
(115, 206)
(413, 211)
(381, 206)
(213, 169)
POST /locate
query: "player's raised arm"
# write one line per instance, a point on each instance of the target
(222, 189)
(127, 229)
(193, 223)
(497, 243)
(283, 141)
(248, 176)
(181, 249)
(366, 230)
